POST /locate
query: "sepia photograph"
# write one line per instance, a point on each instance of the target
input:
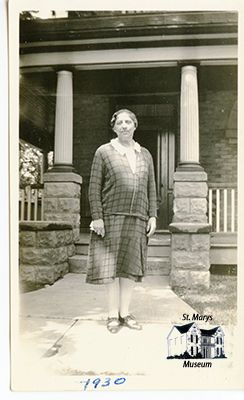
(125, 188)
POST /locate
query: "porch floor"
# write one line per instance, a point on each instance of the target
(63, 333)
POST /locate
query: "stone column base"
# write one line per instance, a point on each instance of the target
(190, 258)
(190, 244)
(62, 198)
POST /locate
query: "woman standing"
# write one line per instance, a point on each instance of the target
(122, 195)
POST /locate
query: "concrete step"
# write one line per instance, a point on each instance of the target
(162, 238)
(158, 246)
(153, 250)
(81, 248)
(158, 254)
(84, 238)
(159, 238)
(155, 265)
(223, 251)
(159, 250)
(158, 266)
(223, 248)
(78, 264)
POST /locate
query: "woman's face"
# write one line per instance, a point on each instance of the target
(124, 127)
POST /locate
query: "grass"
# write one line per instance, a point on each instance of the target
(219, 300)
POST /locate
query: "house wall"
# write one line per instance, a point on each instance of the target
(91, 130)
(37, 109)
(196, 346)
(218, 135)
(218, 345)
(218, 131)
(92, 112)
(177, 344)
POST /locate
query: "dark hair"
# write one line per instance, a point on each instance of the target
(130, 113)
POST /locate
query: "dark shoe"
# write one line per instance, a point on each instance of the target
(130, 322)
(113, 325)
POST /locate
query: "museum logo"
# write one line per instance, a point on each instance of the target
(191, 342)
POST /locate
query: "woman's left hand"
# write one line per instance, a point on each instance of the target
(151, 226)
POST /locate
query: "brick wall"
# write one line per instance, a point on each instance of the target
(91, 129)
(218, 135)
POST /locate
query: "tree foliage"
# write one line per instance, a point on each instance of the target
(30, 164)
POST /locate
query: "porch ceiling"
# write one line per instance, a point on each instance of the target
(112, 24)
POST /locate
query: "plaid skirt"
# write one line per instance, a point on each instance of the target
(122, 252)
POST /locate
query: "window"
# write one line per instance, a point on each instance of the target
(192, 350)
(217, 351)
(192, 338)
(196, 339)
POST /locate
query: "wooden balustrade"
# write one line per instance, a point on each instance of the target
(31, 203)
(222, 206)
(222, 209)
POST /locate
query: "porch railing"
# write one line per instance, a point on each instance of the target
(31, 203)
(222, 208)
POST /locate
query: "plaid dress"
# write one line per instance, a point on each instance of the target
(124, 200)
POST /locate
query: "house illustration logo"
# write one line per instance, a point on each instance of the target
(189, 341)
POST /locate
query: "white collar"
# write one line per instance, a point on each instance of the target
(122, 149)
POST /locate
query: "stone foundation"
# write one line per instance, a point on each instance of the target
(62, 198)
(190, 256)
(190, 242)
(44, 248)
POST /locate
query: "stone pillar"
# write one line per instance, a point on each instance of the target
(62, 198)
(62, 185)
(190, 244)
(63, 142)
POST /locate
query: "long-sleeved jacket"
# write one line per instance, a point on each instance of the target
(115, 189)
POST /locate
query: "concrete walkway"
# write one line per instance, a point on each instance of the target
(63, 334)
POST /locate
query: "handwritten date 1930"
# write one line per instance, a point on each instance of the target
(101, 382)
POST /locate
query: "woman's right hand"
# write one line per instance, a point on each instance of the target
(98, 227)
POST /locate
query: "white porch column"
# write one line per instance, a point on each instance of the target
(63, 146)
(62, 185)
(189, 116)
